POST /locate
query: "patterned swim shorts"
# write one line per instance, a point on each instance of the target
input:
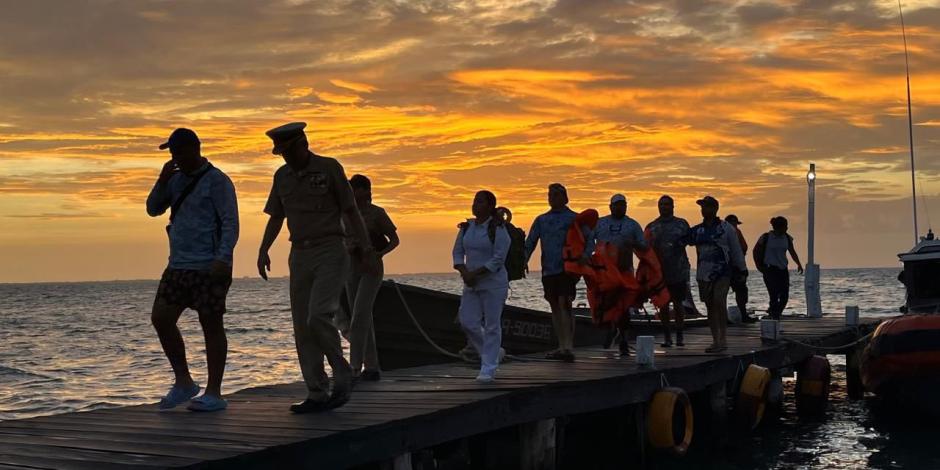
(193, 289)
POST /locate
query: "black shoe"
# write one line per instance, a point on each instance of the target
(559, 355)
(666, 344)
(338, 398)
(370, 375)
(679, 339)
(309, 406)
(624, 348)
(749, 319)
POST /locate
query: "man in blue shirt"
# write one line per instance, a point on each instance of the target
(551, 228)
(203, 231)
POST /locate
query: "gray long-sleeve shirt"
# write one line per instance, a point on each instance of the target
(206, 227)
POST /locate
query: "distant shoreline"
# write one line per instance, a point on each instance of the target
(387, 276)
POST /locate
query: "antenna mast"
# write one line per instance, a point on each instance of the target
(910, 122)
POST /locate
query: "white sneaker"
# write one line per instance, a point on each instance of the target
(486, 378)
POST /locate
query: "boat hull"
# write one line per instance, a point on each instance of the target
(901, 363)
(400, 342)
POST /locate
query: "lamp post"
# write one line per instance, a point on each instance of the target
(811, 274)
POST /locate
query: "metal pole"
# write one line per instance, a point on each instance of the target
(811, 274)
(812, 214)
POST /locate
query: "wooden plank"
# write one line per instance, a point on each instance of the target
(410, 409)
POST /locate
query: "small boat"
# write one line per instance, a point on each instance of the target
(416, 326)
(901, 363)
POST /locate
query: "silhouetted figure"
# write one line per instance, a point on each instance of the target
(559, 287)
(669, 237)
(622, 231)
(313, 194)
(739, 278)
(480, 257)
(719, 257)
(203, 230)
(362, 287)
(770, 256)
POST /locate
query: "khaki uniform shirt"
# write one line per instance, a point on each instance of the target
(312, 200)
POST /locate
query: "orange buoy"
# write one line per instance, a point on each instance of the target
(752, 396)
(670, 421)
(812, 386)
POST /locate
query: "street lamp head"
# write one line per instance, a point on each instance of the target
(811, 175)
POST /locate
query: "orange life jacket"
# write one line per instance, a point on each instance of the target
(612, 292)
(574, 242)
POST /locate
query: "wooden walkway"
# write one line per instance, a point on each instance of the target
(410, 409)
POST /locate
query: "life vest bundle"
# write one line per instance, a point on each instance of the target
(612, 292)
(574, 242)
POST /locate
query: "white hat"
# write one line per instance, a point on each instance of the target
(618, 198)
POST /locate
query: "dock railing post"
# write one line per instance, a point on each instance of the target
(537, 442)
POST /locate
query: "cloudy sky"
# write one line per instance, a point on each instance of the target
(435, 99)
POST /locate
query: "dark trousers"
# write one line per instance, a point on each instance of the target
(778, 288)
(739, 286)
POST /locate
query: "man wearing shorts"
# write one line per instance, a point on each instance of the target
(551, 228)
(203, 230)
(668, 235)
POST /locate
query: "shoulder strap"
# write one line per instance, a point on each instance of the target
(186, 192)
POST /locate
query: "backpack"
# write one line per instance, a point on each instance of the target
(516, 263)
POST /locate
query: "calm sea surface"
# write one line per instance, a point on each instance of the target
(81, 346)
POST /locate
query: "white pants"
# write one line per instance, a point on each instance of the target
(480, 315)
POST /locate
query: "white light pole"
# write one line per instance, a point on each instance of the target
(811, 274)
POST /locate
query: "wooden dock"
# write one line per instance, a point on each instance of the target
(410, 410)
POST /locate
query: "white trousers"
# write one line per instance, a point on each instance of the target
(480, 315)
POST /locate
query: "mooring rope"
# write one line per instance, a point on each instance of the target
(830, 348)
(420, 329)
(440, 349)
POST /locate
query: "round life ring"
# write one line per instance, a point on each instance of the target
(670, 420)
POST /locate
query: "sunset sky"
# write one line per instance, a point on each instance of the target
(434, 100)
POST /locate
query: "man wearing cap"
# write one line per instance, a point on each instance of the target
(669, 236)
(719, 257)
(619, 229)
(313, 194)
(739, 278)
(626, 234)
(551, 228)
(203, 230)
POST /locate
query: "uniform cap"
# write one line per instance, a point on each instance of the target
(283, 135)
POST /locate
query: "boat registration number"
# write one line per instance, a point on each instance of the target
(527, 329)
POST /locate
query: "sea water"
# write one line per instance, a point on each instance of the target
(82, 346)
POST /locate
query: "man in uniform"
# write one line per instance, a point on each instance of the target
(313, 194)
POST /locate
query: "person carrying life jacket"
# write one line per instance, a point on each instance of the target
(607, 266)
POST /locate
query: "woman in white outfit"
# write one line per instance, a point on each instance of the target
(480, 256)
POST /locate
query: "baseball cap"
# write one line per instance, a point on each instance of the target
(707, 201)
(733, 219)
(618, 198)
(180, 137)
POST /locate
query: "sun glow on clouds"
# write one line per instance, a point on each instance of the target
(434, 100)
